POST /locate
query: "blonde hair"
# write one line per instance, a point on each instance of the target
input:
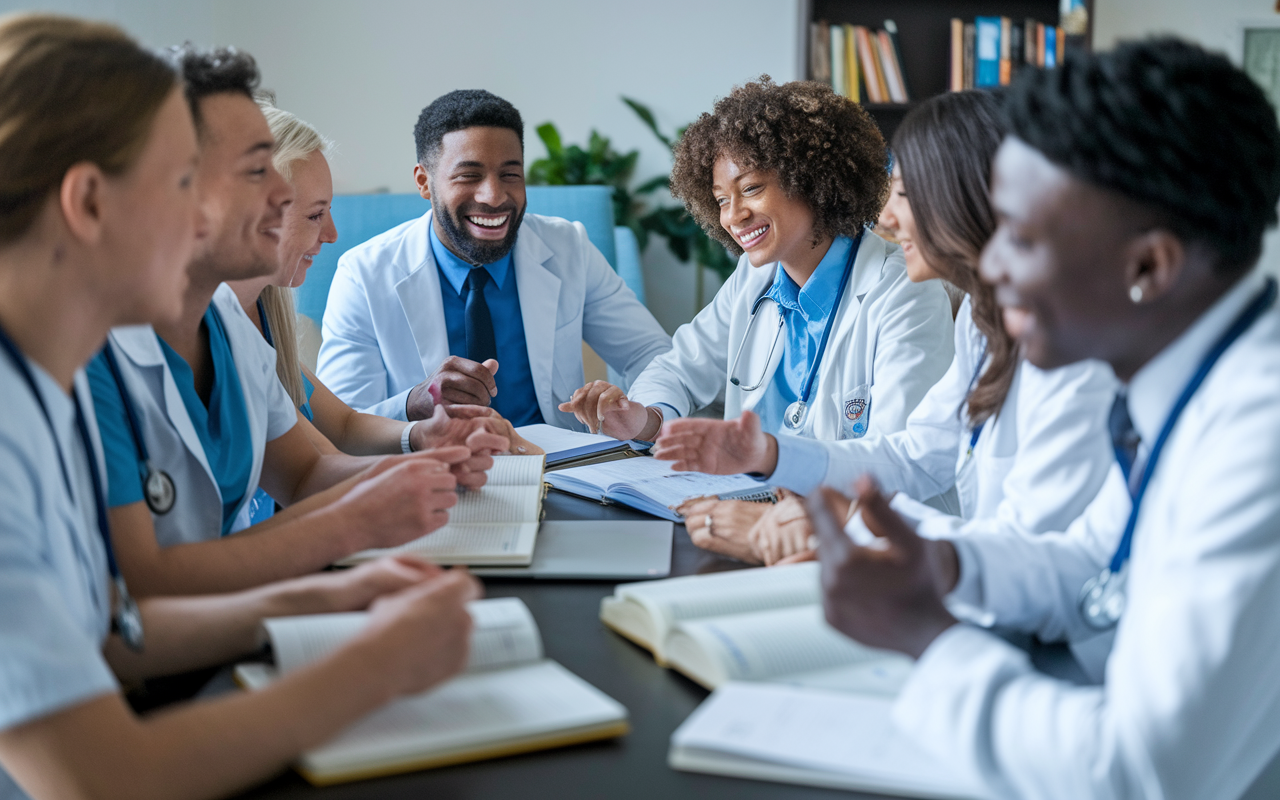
(71, 91)
(295, 141)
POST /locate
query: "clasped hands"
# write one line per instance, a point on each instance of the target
(453, 407)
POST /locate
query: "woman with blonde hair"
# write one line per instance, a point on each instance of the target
(99, 216)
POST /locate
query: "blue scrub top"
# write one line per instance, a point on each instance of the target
(805, 311)
(517, 400)
(222, 427)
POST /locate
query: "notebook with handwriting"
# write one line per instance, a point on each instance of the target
(510, 699)
(496, 525)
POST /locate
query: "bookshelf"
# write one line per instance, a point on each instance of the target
(924, 31)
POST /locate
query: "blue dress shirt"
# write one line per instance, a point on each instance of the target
(222, 426)
(806, 312)
(517, 399)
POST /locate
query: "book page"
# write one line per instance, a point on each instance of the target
(844, 734)
(504, 633)
(655, 480)
(768, 644)
(515, 471)
(555, 440)
(453, 542)
(497, 504)
(721, 593)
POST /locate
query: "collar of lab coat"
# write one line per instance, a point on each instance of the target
(1157, 385)
(539, 291)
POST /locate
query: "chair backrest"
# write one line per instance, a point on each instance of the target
(360, 217)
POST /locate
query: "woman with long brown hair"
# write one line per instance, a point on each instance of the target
(1014, 443)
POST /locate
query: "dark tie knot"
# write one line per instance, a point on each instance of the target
(477, 278)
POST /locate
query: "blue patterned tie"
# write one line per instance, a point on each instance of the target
(480, 342)
(1124, 438)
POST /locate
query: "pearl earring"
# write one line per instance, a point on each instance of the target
(1135, 293)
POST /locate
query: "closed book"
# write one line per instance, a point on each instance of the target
(876, 91)
(1029, 42)
(1062, 45)
(894, 81)
(819, 57)
(838, 72)
(891, 28)
(1039, 44)
(986, 70)
(957, 54)
(970, 34)
(1017, 50)
(1050, 46)
(852, 73)
(1006, 51)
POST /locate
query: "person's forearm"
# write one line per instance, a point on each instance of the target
(328, 471)
(185, 633)
(369, 435)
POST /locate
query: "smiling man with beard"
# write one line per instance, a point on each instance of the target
(426, 312)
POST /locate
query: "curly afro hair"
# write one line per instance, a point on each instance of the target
(823, 147)
(1163, 122)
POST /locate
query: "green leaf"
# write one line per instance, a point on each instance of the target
(646, 116)
(550, 137)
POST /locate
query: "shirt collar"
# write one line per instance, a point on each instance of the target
(456, 270)
(1156, 387)
(818, 296)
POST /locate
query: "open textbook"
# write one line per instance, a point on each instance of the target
(496, 525)
(763, 624)
(509, 700)
(811, 737)
(651, 486)
(566, 448)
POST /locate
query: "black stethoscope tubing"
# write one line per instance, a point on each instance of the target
(158, 488)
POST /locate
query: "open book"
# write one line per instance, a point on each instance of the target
(651, 486)
(496, 525)
(811, 737)
(566, 448)
(762, 624)
(510, 699)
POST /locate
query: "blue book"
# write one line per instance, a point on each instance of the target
(1050, 47)
(986, 49)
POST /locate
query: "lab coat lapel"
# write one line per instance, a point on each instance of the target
(423, 307)
(539, 291)
(762, 335)
(138, 344)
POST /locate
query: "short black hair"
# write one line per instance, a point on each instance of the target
(1165, 123)
(216, 71)
(462, 108)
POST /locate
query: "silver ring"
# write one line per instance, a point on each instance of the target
(708, 526)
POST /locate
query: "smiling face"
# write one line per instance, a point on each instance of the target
(307, 221)
(897, 217)
(1057, 261)
(477, 191)
(766, 223)
(152, 220)
(243, 195)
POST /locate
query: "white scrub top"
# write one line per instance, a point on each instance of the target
(1036, 465)
(54, 589)
(1190, 705)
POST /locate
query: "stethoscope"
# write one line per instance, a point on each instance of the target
(157, 487)
(977, 429)
(1102, 598)
(794, 416)
(127, 617)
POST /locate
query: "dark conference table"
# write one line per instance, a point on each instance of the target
(658, 700)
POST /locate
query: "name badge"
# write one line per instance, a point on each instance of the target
(855, 413)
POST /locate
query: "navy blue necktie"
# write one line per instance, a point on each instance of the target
(480, 342)
(1124, 438)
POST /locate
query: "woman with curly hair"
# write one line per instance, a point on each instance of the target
(819, 332)
(1019, 445)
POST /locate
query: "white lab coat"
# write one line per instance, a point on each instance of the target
(1190, 706)
(384, 326)
(171, 438)
(1037, 464)
(890, 334)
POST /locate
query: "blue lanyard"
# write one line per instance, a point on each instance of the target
(977, 373)
(826, 331)
(266, 326)
(1241, 324)
(82, 427)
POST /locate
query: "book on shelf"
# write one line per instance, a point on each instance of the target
(858, 62)
(510, 699)
(854, 75)
(496, 525)
(986, 71)
(991, 51)
(970, 35)
(956, 83)
(652, 486)
(897, 91)
(839, 72)
(1006, 51)
(891, 28)
(762, 624)
(811, 737)
(820, 52)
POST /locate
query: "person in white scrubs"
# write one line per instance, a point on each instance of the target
(1129, 230)
(101, 217)
(820, 333)
(1004, 441)
(194, 417)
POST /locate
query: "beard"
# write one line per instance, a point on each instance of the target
(478, 251)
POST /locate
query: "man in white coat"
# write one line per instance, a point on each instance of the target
(477, 302)
(1132, 196)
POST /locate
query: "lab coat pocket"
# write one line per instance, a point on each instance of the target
(855, 412)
